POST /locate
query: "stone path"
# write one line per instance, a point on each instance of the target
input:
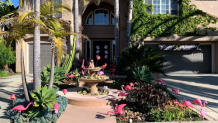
(201, 86)
(9, 85)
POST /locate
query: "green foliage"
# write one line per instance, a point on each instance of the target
(137, 55)
(44, 97)
(47, 114)
(7, 8)
(7, 56)
(59, 75)
(3, 73)
(188, 21)
(142, 74)
(118, 83)
(76, 73)
(67, 64)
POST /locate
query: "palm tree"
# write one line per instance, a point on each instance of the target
(116, 9)
(128, 31)
(76, 30)
(36, 49)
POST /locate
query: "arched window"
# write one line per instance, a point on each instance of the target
(112, 20)
(89, 20)
(101, 17)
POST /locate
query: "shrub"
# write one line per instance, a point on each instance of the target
(3, 73)
(142, 74)
(59, 75)
(137, 55)
(7, 56)
(47, 115)
(118, 83)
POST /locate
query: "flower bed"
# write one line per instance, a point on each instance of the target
(32, 115)
(153, 103)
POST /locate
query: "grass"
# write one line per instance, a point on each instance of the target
(3, 73)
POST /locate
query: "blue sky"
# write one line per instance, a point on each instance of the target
(15, 2)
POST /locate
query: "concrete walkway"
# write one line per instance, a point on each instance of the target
(201, 86)
(9, 85)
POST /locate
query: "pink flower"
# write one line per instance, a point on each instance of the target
(65, 91)
(31, 80)
(101, 73)
(98, 57)
(103, 66)
(13, 97)
(56, 107)
(82, 67)
(116, 76)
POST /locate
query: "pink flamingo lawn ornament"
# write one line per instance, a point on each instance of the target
(83, 72)
(128, 87)
(119, 110)
(115, 106)
(198, 101)
(175, 90)
(160, 81)
(71, 76)
(56, 107)
(21, 107)
(123, 93)
(131, 84)
(82, 67)
(186, 103)
(202, 113)
(65, 91)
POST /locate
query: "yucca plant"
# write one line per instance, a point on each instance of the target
(142, 74)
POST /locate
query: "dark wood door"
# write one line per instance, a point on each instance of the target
(101, 48)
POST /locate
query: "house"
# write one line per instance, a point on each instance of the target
(97, 22)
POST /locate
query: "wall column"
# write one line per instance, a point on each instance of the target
(117, 35)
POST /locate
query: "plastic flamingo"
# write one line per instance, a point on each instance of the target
(103, 66)
(21, 107)
(82, 67)
(65, 91)
(13, 97)
(128, 87)
(186, 103)
(119, 110)
(202, 113)
(123, 93)
(131, 84)
(56, 107)
(198, 101)
(71, 76)
(160, 81)
(116, 107)
(175, 90)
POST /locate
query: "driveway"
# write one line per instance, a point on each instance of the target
(192, 86)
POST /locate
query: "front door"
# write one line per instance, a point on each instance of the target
(101, 48)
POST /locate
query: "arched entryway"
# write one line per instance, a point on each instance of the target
(98, 25)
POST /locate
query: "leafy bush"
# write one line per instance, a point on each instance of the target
(142, 74)
(118, 83)
(7, 56)
(59, 75)
(47, 115)
(137, 55)
(3, 73)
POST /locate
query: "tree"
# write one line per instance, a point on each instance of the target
(36, 49)
(76, 30)
(128, 30)
(116, 9)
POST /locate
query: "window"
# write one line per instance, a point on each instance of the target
(101, 17)
(112, 19)
(57, 3)
(89, 20)
(163, 6)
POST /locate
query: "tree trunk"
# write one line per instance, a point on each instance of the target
(23, 76)
(76, 30)
(51, 80)
(36, 49)
(116, 9)
(128, 30)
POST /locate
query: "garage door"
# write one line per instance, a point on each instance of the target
(187, 61)
(45, 56)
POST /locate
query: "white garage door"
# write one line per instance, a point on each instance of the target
(45, 56)
(187, 61)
